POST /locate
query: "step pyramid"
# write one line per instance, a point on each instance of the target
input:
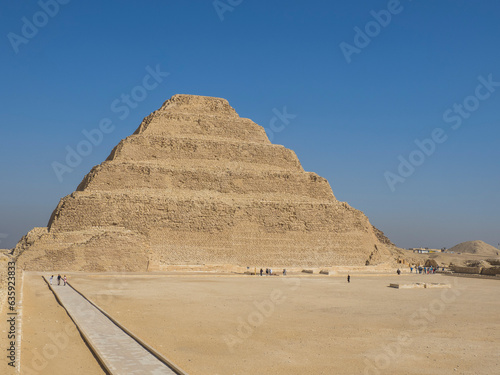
(197, 184)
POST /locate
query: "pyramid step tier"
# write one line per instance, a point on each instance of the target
(144, 148)
(111, 176)
(202, 126)
(111, 248)
(203, 212)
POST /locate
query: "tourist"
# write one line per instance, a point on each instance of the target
(261, 271)
(284, 271)
(270, 271)
(267, 271)
(58, 279)
(398, 271)
(411, 269)
(51, 278)
(348, 278)
(64, 280)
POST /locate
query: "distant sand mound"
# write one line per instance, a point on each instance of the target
(476, 247)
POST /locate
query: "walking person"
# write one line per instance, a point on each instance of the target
(284, 271)
(65, 280)
(58, 279)
(261, 271)
(348, 278)
(51, 278)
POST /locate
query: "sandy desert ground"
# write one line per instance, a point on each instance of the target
(216, 324)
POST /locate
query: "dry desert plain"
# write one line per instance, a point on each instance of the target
(298, 324)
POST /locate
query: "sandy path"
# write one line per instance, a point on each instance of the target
(122, 354)
(309, 325)
(50, 342)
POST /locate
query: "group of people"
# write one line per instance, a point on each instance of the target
(269, 272)
(59, 278)
(424, 270)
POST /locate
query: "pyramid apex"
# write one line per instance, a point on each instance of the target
(198, 104)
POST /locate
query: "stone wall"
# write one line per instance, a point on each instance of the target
(491, 271)
(470, 270)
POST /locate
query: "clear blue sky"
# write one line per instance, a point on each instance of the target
(353, 120)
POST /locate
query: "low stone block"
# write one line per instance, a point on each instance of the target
(437, 285)
(408, 286)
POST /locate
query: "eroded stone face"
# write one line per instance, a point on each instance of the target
(197, 184)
